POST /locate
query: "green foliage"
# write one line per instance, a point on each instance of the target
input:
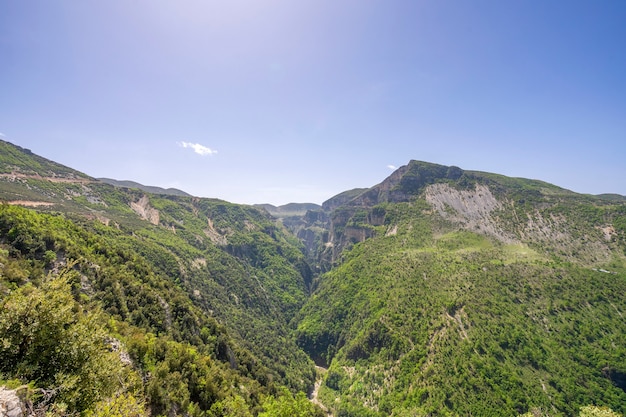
(230, 407)
(436, 320)
(40, 315)
(46, 337)
(19, 160)
(141, 281)
(124, 405)
(167, 282)
(593, 411)
(181, 377)
(418, 313)
(286, 405)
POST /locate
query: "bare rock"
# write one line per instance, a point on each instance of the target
(145, 211)
(11, 405)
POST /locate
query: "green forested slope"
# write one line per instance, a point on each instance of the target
(447, 292)
(68, 291)
(438, 314)
(231, 261)
(199, 291)
(16, 160)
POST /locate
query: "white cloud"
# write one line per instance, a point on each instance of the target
(197, 148)
(2, 135)
(392, 167)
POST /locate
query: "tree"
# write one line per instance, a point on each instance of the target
(286, 405)
(48, 339)
(234, 406)
(594, 411)
(124, 405)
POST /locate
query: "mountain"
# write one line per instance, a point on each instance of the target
(439, 291)
(196, 293)
(612, 197)
(146, 188)
(288, 210)
(18, 162)
(468, 293)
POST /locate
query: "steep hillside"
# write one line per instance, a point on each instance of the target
(146, 188)
(18, 162)
(512, 210)
(220, 278)
(473, 294)
(438, 291)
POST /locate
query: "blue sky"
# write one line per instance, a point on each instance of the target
(281, 100)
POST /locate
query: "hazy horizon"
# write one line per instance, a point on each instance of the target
(278, 102)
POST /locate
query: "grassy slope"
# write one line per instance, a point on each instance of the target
(22, 161)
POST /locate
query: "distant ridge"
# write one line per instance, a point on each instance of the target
(22, 162)
(146, 188)
(612, 197)
(290, 209)
(342, 198)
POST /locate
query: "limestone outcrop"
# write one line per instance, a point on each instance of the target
(11, 404)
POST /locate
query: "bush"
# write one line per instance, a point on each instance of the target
(48, 338)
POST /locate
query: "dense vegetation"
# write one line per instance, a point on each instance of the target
(437, 292)
(73, 300)
(437, 314)
(416, 323)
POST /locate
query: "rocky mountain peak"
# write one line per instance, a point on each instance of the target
(406, 182)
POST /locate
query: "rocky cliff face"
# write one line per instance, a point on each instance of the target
(512, 211)
(11, 404)
(472, 208)
(342, 198)
(355, 214)
(406, 182)
(145, 211)
(350, 217)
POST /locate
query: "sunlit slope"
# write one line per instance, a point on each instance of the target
(91, 321)
(474, 295)
(231, 261)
